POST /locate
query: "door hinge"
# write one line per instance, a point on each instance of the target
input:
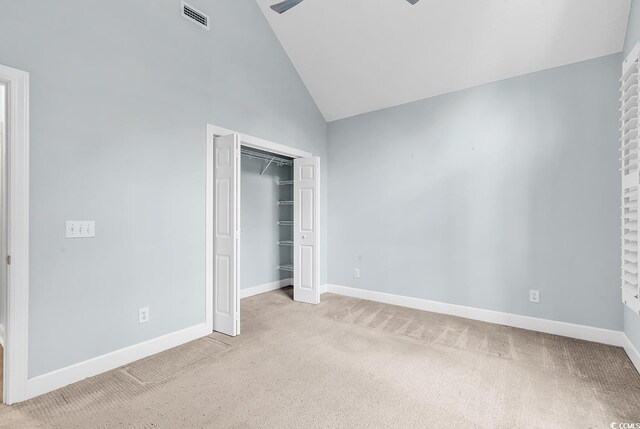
(238, 235)
(8, 259)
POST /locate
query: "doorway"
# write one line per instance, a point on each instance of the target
(224, 161)
(3, 228)
(14, 233)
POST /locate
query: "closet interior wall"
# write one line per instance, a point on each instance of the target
(265, 232)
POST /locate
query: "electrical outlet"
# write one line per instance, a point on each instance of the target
(534, 296)
(356, 273)
(80, 229)
(143, 315)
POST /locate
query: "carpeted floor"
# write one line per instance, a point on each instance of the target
(349, 363)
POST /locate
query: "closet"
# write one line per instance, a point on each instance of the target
(282, 215)
(266, 245)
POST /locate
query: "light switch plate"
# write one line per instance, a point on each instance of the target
(80, 229)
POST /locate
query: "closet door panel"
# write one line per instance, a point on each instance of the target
(306, 240)
(226, 306)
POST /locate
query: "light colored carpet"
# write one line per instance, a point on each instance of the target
(349, 363)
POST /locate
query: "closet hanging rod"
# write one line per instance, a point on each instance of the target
(266, 157)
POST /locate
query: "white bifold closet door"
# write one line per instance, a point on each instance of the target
(306, 236)
(226, 252)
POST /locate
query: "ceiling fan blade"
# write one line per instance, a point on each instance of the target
(285, 5)
(413, 1)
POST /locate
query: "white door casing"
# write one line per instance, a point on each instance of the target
(306, 237)
(226, 252)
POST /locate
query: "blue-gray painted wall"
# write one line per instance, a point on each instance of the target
(631, 319)
(475, 197)
(121, 92)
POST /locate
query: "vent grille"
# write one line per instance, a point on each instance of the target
(194, 15)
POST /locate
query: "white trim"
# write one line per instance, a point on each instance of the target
(74, 373)
(17, 299)
(258, 143)
(246, 140)
(633, 353)
(581, 332)
(266, 287)
(208, 229)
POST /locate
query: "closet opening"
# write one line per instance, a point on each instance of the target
(263, 223)
(266, 231)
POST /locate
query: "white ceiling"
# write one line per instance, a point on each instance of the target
(357, 56)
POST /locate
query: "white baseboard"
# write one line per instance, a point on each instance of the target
(62, 377)
(2, 335)
(633, 353)
(581, 332)
(266, 287)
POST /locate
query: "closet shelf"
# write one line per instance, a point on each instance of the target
(285, 203)
(280, 161)
(285, 222)
(285, 182)
(285, 243)
(286, 267)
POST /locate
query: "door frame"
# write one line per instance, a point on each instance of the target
(214, 131)
(17, 291)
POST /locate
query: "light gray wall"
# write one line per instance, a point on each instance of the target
(475, 197)
(259, 248)
(633, 27)
(121, 92)
(631, 319)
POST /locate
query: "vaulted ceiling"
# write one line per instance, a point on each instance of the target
(357, 56)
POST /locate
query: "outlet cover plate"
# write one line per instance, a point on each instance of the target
(143, 315)
(534, 296)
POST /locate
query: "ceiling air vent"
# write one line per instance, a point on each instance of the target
(194, 15)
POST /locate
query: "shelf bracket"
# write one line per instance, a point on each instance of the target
(266, 166)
